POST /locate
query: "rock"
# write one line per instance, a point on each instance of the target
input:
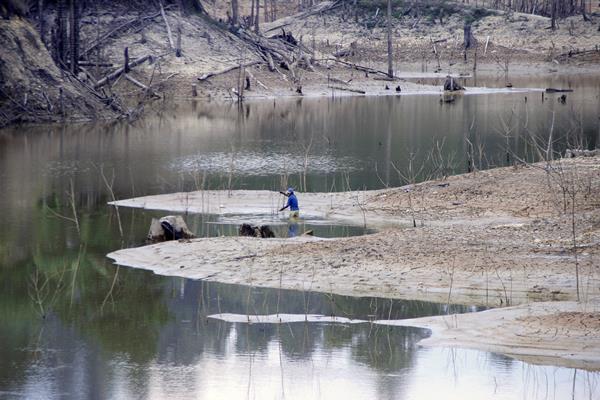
(170, 227)
(263, 231)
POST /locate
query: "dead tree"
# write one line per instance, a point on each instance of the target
(74, 35)
(256, 26)
(42, 25)
(234, 12)
(60, 33)
(178, 45)
(389, 39)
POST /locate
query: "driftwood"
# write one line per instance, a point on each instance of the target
(384, 78)
(336, 80)
(162, 12)
(114, 75)
(270, 62)
(228, 69)
(94, 64)
(318, 9)
(257, 81)
(359, 67)
(346, 89)
(571, 153)
(123, 27)
(141, 85)
(554, 90)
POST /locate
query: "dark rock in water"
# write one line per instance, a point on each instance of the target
(263, 231)
(171, 227)
(451, 85)
(554, 90)
(266, 232)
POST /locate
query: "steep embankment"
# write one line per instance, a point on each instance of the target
(32, 87)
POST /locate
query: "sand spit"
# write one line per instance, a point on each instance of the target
(496, 238)
(491, 238)
(563, 333)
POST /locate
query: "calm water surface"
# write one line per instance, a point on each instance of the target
(72, 325)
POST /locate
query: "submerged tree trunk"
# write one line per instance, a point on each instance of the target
(389, 39)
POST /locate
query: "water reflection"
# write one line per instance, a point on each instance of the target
(75, 326)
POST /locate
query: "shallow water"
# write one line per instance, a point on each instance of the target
(75, 326)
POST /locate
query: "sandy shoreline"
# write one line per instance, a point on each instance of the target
(491, 238)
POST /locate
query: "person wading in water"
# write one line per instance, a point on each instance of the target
(292, 203)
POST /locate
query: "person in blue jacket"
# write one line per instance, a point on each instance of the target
(292, 203)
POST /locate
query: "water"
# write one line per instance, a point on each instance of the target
(72, 325)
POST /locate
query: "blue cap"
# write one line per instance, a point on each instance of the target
(290, 190)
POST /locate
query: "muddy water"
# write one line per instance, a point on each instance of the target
(74, 326)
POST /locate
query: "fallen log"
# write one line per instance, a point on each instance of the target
(162, 12)
(336, 80)
(358, 67)
(226, 70)
(572, 153)
(318, 9)
(554, 90)
(346, 89)
(122, 27)
(270, 62)
(141, 85)
(117, 73)
(384, 78)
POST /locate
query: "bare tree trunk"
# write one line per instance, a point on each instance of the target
(178, 45)
(553, 14)
(61, 34)
(42, 25)
(256, 21)
(583, 11)
(74, 39)
(252, 12)
(126, 68)
(389, 39)
(234, 12)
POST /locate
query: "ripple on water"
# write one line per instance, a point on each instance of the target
(255, 163)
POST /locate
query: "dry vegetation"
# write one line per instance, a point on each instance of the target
(341, 44)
